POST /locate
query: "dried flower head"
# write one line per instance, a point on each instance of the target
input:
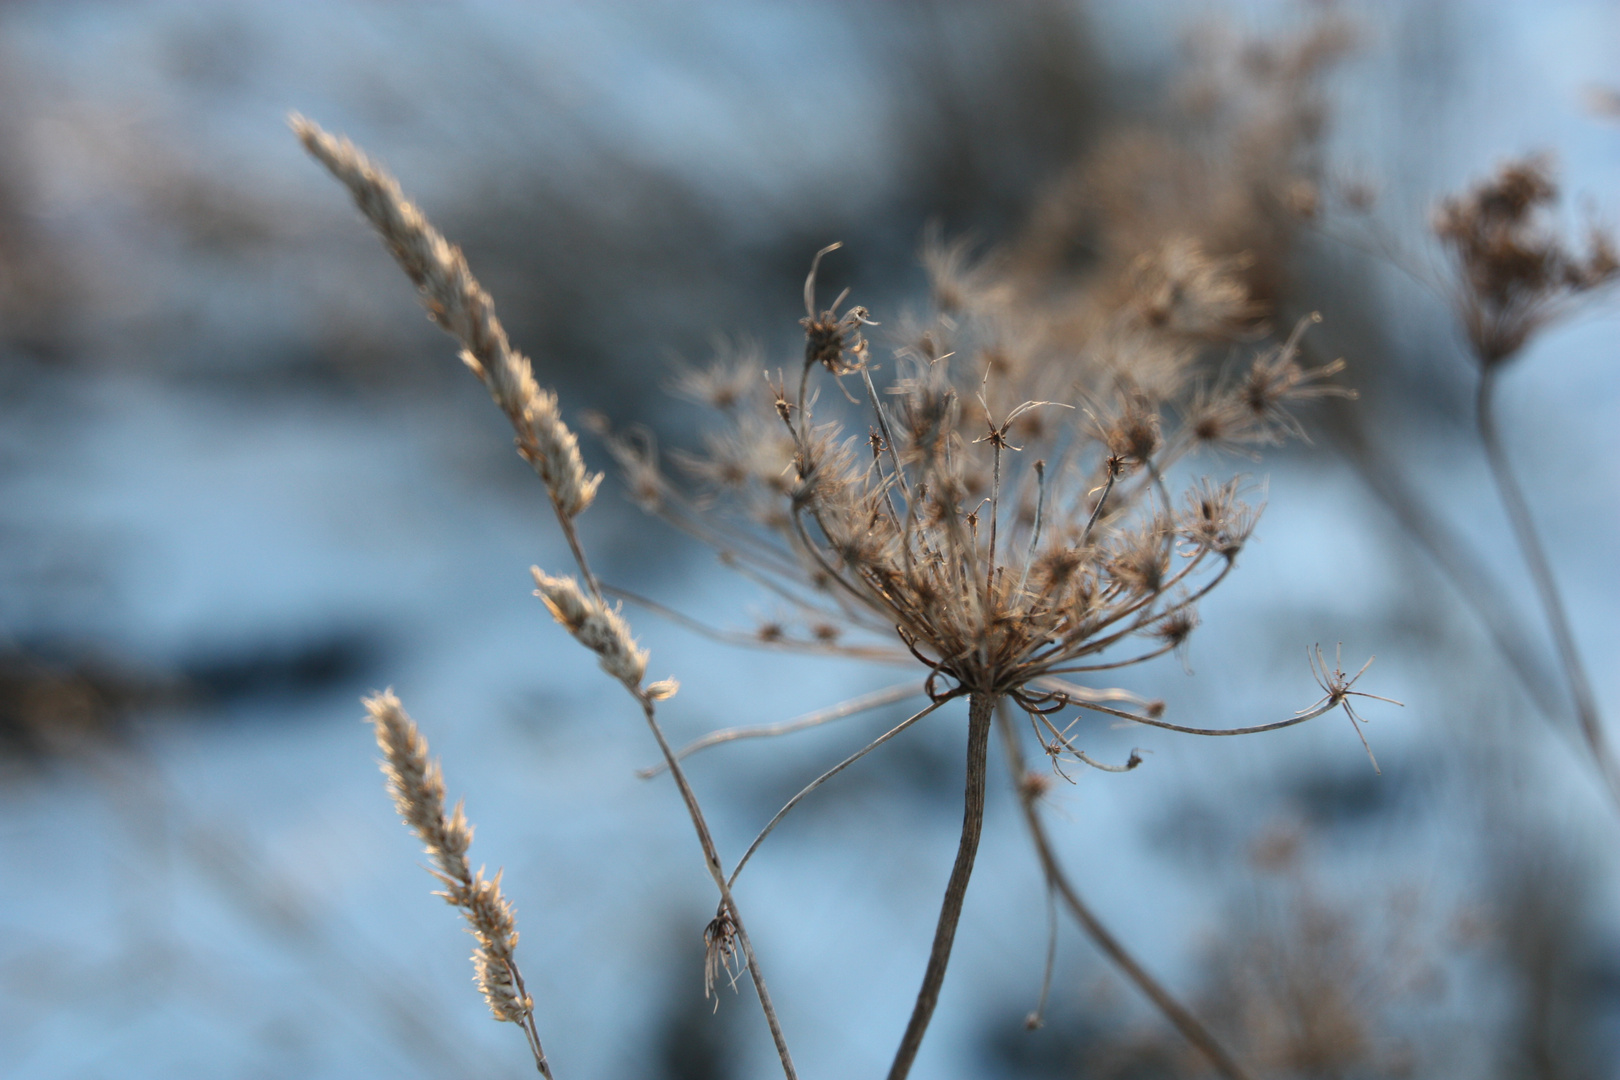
(1001, 554)
(1517, 273)
(722, 953)
(832, 340)
(728, 381)
(1180, 289)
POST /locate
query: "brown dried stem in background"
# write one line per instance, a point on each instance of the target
(1029, 787)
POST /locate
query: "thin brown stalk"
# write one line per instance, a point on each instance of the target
(744, 639)
(1326, 706)
(1035, 529)
(574, 546)
(876, 699)
(826, 776)
(1061, 741)
(1190, 1027)
(711, 859)
(1096, 511)
(1524, 531)
(1037, 1016)
(711, 855)
(646, 698)
(981, 709)
(995, 511)
(886, 432)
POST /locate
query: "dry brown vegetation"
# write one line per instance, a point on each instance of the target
(1007, 482)
(1005, 521)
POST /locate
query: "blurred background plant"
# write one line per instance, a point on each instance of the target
(244, 483)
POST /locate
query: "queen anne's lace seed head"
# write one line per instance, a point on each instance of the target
(1004, 558)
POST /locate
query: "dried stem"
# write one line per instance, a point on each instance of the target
(1449, 550)
(863, 703)
(1184, 1021)
(981, 709)
(1096, 511)
(1324, 707)
(1524, 531)
(884, 430)
(1037, 1018)
(459, 304)
(826, 776)
(711, 859)
(711, 855)
(748, 640)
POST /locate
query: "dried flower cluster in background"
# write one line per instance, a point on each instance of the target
(1518, 274)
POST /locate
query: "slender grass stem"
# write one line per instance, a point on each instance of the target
(711, 855)
(711, 859)
(1037, 1017)
(852, 707)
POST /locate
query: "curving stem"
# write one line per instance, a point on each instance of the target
(1552, 604)
(1191, 1028)
(981, 708)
